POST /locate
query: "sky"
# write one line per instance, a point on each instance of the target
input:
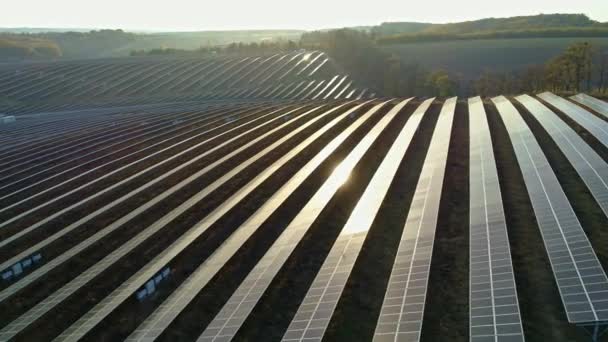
(196, 15)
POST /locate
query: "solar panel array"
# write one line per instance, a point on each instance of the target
(121, 221)
(316, 310)
(596, 126)
(403, 307)
(43, 86)
(191, 287)
(597, 105)
(582, 282)
(100, 208)
(94, 316)
(101, 266)
(493, 303)
(592, 169)
(233, 314)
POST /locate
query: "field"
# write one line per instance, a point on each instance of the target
(329, 214)
(471, 57)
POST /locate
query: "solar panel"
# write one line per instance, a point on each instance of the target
(75, 284)
(264, 71)
(596, 126)
(276, 70)
(592, 169)
(493, 304)
(282, 92)
(232, 315)
(327, 85)
(291, 69)
(164, 315)
(46, 170)
(593, 103)
(294, 89)
(351, 93)
(318, 67)
(303, 90)
(335, 87)
(14, 288)
(320, 54)
(311, 92)
(403, 306)
(119, 295)
(326, 289)
(581, 281)
(342, 92)
(279, 87)
(48, 218)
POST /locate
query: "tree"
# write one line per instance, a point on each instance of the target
(579, 57)
(603, 72)
(440, 83)
(533, 79)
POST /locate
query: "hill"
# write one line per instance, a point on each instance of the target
(389, 29)
(118, 43)
(489, 25)
(541, 21)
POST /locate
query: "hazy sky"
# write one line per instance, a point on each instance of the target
(180, 15)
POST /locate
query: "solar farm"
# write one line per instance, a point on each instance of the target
(274, 198)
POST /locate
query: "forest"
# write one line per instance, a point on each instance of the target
(581, 66)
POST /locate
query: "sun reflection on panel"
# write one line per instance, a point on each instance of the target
(341, 174)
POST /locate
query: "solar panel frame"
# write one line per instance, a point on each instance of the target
(580, 278)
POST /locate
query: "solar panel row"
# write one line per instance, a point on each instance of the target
(317, 307)
(582, 282)
(588, 164)
(593, 103)
(596, 126)
(403, 306)
(119, 253)
(233, 314)
(494, 310)
(190, 288)
(156, 80)
(493, 304)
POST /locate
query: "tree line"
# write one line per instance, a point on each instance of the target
(562, 32)
(16, 47)
(235, 48)
(581, 67)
